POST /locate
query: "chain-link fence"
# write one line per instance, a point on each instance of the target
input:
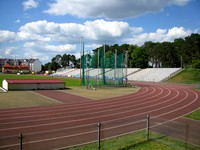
(113, 134)
(103, 68)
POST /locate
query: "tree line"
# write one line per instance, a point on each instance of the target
(182, 52)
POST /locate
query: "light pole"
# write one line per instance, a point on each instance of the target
(181, 62)
(115, 65)
(126, 65)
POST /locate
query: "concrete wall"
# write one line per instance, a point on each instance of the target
(35, 86)
(32, 86)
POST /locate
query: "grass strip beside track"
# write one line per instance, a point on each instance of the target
(187, 76)
(68, 81)
(194, 115)
(19, 99)
(137, 141)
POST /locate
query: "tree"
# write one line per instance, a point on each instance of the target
(169, 55)
(152, 53)
(130, 56)
(139, 58)
(57, 59)
(73, 60)
(65, 60)
(47, 66)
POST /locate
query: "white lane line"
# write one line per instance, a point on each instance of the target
(115, 114)
(154, 117)
(76, 111)
(65, 106)
(196, 97)
(95, 131)
(86, 106)
(105, 109)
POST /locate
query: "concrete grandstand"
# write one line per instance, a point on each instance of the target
(133, 74)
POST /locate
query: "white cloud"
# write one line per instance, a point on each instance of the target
(44, 40)
(114, 9)
(35, 54)
(42, 46)
(104, 30)
(98, 30)
(8, 52)
(160, 35)
(17, 21)
(6, 36)
(60, 48)
(92, 46)
(26, 36)
(28, 4)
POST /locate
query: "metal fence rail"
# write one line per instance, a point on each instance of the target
(98, 132)
(188, 133)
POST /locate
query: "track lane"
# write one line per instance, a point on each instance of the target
(171, 103)
(86, 119)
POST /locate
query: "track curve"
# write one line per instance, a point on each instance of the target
(79, 120)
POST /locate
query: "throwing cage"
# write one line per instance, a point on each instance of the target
(103, 68)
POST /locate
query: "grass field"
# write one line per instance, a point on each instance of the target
(137, 141)
(194, 115)
(19, 99)
(68, 81)
(188, 76)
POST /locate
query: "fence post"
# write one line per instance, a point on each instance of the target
(186, 136)
(20, 141)
(147, 127)
(99, 135)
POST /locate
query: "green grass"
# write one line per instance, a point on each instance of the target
(19, 99)
(194, 115)
(137, 141)
(68, 81)
(188, 76)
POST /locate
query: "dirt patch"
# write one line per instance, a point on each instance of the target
(101, 93)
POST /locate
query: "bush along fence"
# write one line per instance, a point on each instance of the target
(115, 134)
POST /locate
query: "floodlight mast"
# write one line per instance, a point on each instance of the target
(126, 66)
(115, 66)
(103, 65)
(98, 69)
(82, 65)
(81, 39)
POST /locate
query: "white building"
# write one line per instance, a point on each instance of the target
(34, 64)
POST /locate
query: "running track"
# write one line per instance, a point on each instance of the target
(75, 121)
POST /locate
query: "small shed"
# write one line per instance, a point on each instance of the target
(32, 84)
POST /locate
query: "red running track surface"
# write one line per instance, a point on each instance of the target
(75, 122)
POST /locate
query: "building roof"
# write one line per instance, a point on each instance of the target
(7, 66)
(31, 81)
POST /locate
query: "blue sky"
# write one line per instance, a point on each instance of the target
(44, 28)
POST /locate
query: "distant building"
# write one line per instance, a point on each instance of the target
(15, 69)
(33, 65)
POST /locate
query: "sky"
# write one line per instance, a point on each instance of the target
(44, 28)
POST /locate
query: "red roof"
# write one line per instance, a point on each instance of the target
(30, 81)
(7, 66)
(23, 66)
